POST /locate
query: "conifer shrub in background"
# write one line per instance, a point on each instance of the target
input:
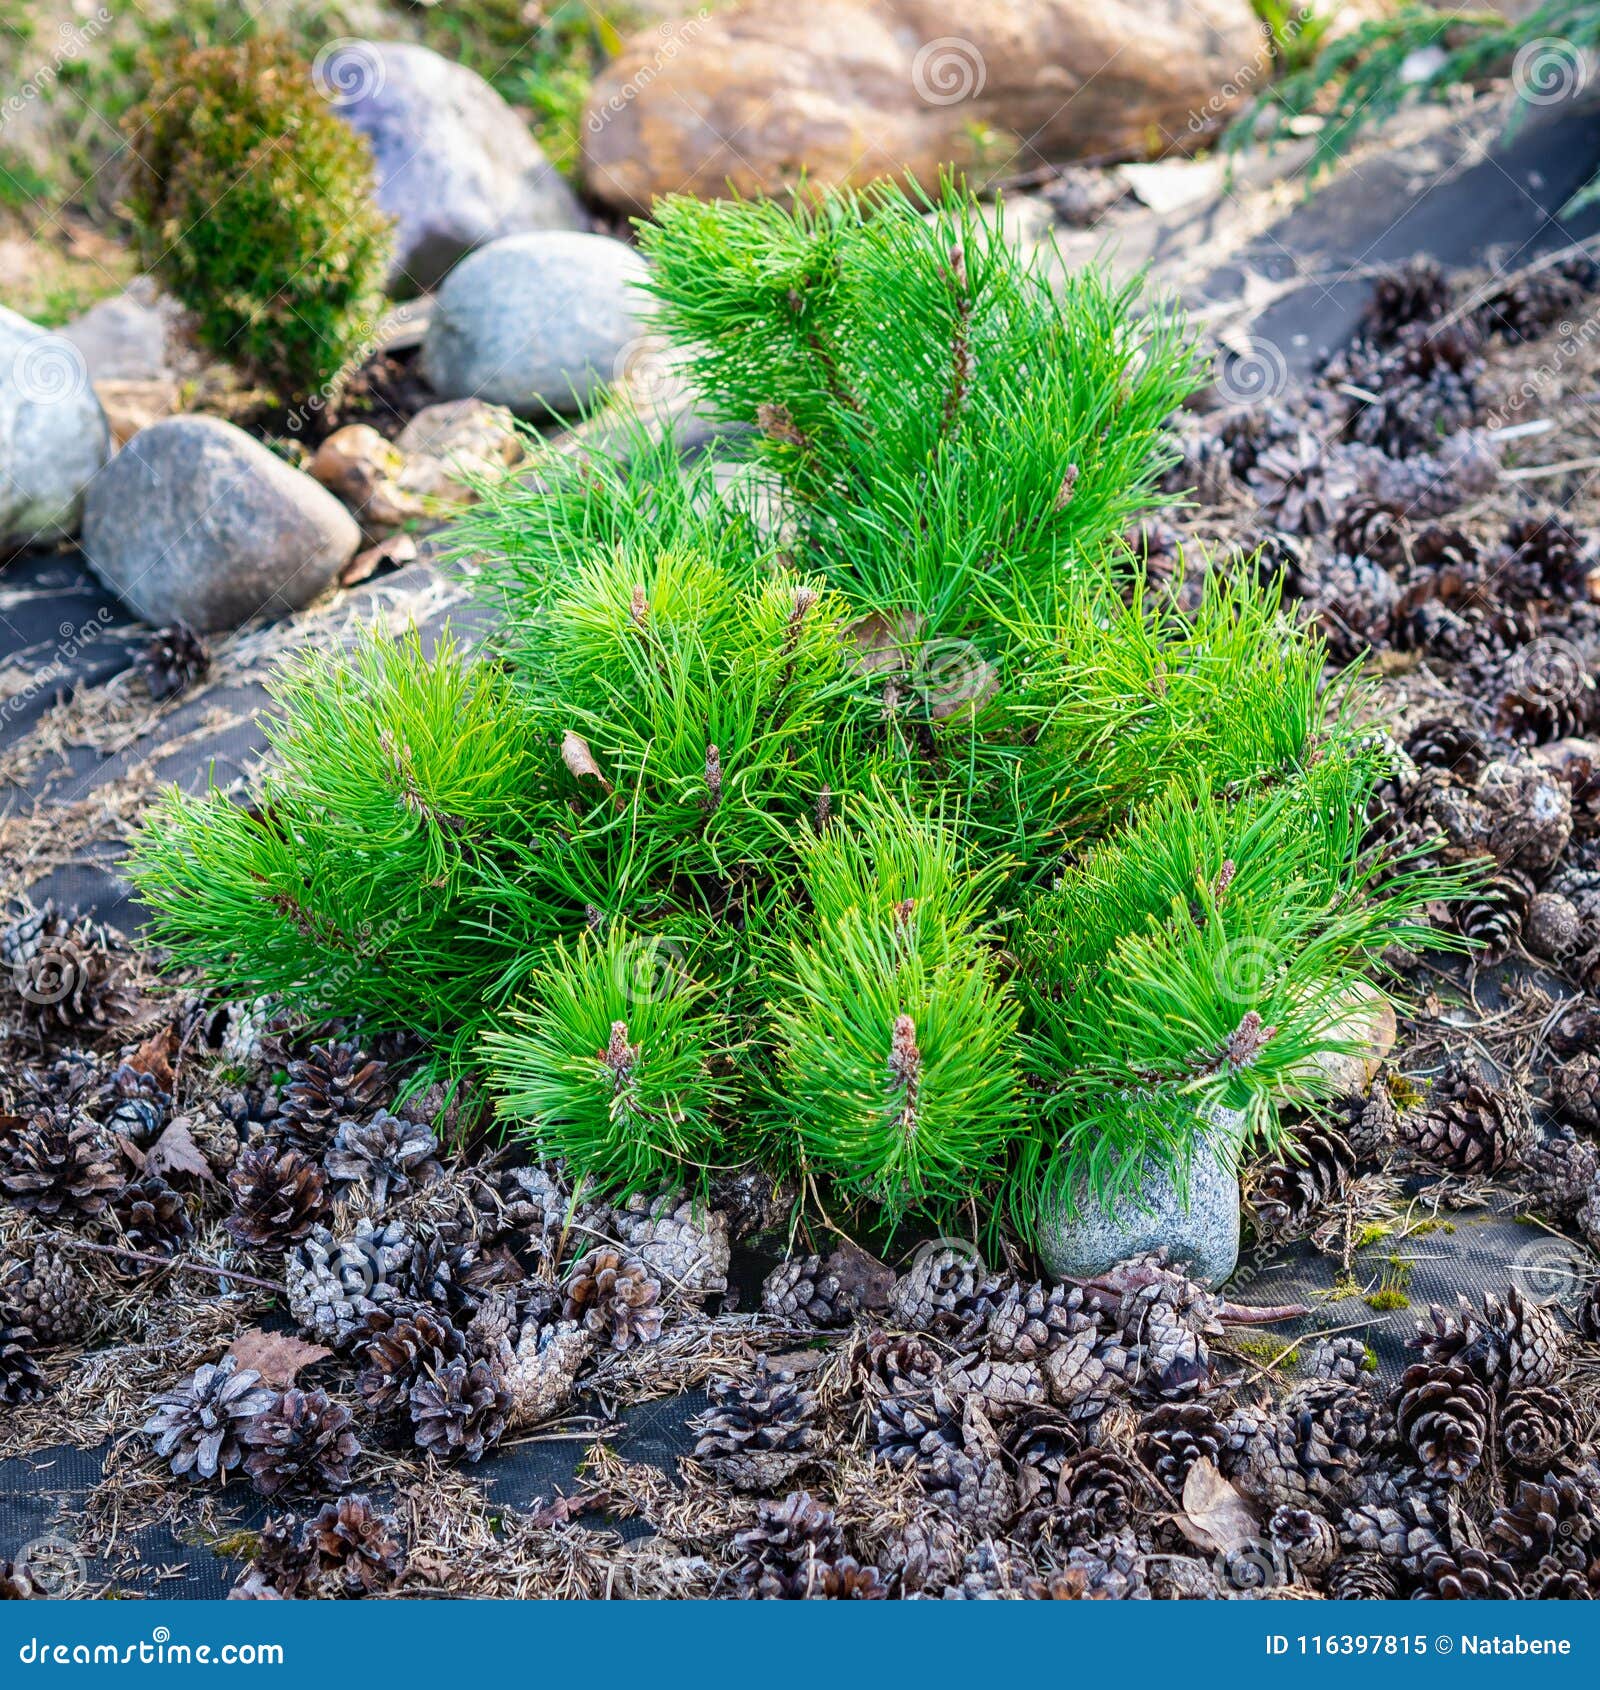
(254, 203)
(866, 814)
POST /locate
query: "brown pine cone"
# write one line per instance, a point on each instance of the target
(825, 1291)
(1552, 1582)
(1556, 1518)
(1513, 1342)
(1575, 1029)
(1544, 556)
(355, 1546)
(1311, 1172)
(1367, 1124)
(460, 1409)
(1493, 918)
(278, 1196)
(1174, 1362)
(66, 970)
(1362, 1578)
(1087, 1370)
(795, 1553)
(1479, 1130)
(970, 1483)
(153, 1217)
(758, 1435)
(1343, 1359)
(1309, 1448)
(1537, 1426)
(908, 1427)
(1558, 1172)
(398, 1348)
(1031, 1320)
(1099, 1492)
(20, 1378)
(173, 660)
(1040, 1441)
(1406, 1529)
(57, 1164)
(1543, 692)
(947, 1291)
(1305, 1540)
(381, 1158)
(900, 1364)
(1001, 1388)
(544, 1370)
(1575, 1089)
(46, 1294)
(1442, 1417)
(1365, 529)
(1174, 1436)
(333, 1083)
(1300, 486)
(1587, 1318)
(199, 1427)
(1465, 1575)
(682, 1242)
(303, 1439)
(1446, 742)
(615, 1297)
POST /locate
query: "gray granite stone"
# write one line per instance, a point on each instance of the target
(1199, 1227)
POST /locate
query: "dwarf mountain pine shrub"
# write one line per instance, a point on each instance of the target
(254, 202)
(867, 813)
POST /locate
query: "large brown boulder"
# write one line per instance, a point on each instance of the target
(851, 90)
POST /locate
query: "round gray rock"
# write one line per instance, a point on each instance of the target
(53, 434)
(456, 167)
(1198, 1226)
(537, 323)
(194, 521)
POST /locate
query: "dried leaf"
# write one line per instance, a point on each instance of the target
(575, 753)
(154, 1056)
(565, 1509)
(176, 1152)
(277, 1356)
(1215, 1516)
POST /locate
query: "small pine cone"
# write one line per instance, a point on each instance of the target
(67, 971)
(1362, 1578)
(1087, 1369)
(1442, 1417)
(1099, 1492)
(1367, 1124)
(1447, 743)
(897, 1364)
(927, 1550)
(1552, 1582)
(682, 1243)
(1558, 1172)
(1552, 928)
(1514, 1342)
(1556, 1519)
(20, 1378)
(278, 1197)
(1040, 1441)
(1174, 1362)
(1029, 1321)
(1311, 1173)
(153, 1217)
(1480, 1130)
(1406, 1530)
(1537, 1426)
(1300, 486)
(1310, 1448)
(1576, 1028)
(1000, 1388)
(334, 1083)
(1530, 809)
(460, 1409)
(46, 1294)
(1416, 291)
(355, 1547)
(333, 1284)
(134, 1104)
(970, 1483)
(1432, 484)
(615, 1297)
(751, 1201)
(947, 1291)
(1365, 529)
(1467, 1574)
(382, 1158)
(1305, 1540)
(57, 1164)
(398, 1348)
(1545, 556)
(1347, 1361)
(908, 1428)
(1575, 1089)
(303, 1439)
(543, 1373)
(173, 660)
(1174, 1436)
(819, 1290)
(757, 1436)
(199, 1427)
(1543, 693)
(1493, 919)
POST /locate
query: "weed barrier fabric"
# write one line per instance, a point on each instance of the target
(1239, 1645)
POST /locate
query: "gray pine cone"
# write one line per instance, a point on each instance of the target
(384, 1157)
(200, 1427)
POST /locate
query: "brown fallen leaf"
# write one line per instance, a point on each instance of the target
(277, 1356)
(154, 1056)
(575, 753)
(1215, 1516)
(176, 1152)
(565, 1509)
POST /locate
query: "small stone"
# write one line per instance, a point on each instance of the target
(53, 434)
(451, 444)
(1198, 1226)
(133, 405)
(366, 472)
(535, 322)
(456, 167)
(127, 337)
(193, 521)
